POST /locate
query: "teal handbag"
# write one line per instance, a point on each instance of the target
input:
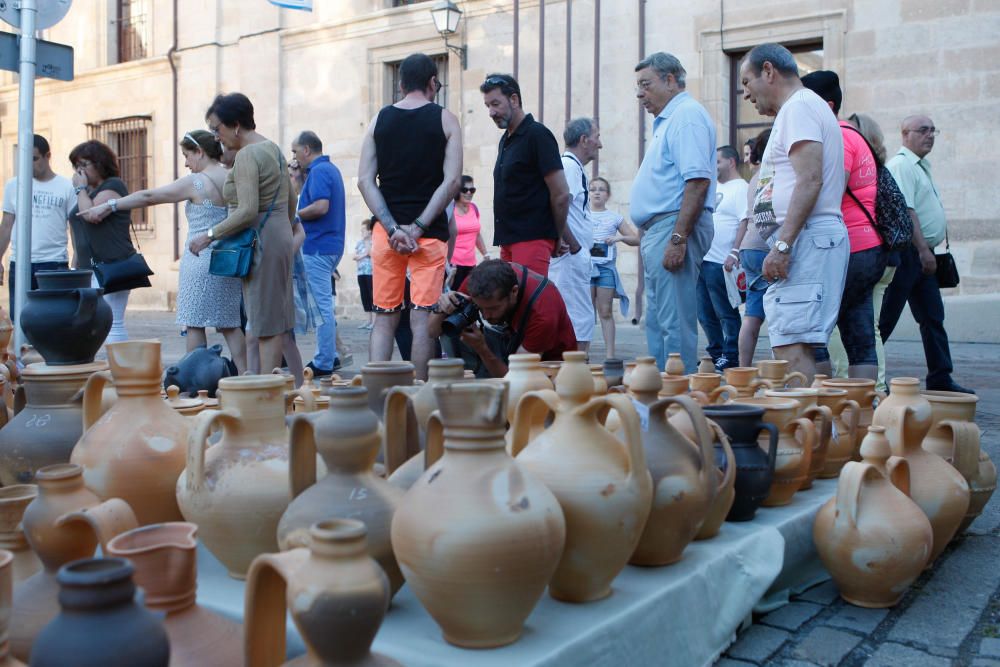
(232, 257)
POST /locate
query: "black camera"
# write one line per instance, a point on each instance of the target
(464, 317)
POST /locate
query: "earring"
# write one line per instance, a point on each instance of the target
(237, 133)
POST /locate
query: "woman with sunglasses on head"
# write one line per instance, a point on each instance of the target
(203, 300)
(468, 237)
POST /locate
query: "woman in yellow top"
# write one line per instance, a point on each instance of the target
(257, 183)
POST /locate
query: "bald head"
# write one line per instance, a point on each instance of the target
(918, 134)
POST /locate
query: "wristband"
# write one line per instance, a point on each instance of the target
(79, 189)
(420, 224)
(735, 253)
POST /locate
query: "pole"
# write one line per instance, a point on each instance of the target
(597, 79)
(541, 61)
(25, 151)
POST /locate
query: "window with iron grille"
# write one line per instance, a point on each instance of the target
(130, 22)
(393, 95)
(129, 139)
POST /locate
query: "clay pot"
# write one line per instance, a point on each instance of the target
(706, 365)
(6, 329)
(200, 369)
(6, 594)
(237, 490)
(791, 466)
(725, 496)
(938, 488)
(818, 380)
(754, 467)
(336, 594)
(188, 407)
(135, 451)
(775, 372)
(947, 406)
(600, 384)
(347, 438)
(871, 537)
(614, 372)
(378, 376)
(672, 385)
(478, 537)
(674, 365)
(525, 373)
(861, 391)
(65, 522)
(13, 501)
(629, 367)
(846, 414)
(821, 416)
(603, 486)
(101, 623)
(165, 563)
(745, 379)
(66, 320)
(710, 384)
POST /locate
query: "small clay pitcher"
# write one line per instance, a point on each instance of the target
(710, 384)
(706, 365)
(791, 467)
(603, 486)
(165, 563)
(600, 384)
(136, 450)
(745, 379)
(346, 435)
(102, 622)
(821, 416)
(478, 537)
(6, 596)
(336, 594)
(843, 433)
(775, 372)
(524, 373)
(674, 365)
(861, 391)
(938, 488)
(13, 501)
(754, 467)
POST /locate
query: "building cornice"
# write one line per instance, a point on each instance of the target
(110, 74)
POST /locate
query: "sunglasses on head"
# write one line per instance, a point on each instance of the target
(470, 191)
(497, 81)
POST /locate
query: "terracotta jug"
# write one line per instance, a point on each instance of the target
(945, 406)
(822, 417)
(796, 440)
(673, 385)
(47, 422)
(745, 379)
(775, 372)
(378, 377)
(600, 384)
(102, 621)
(603, 486)
(685, 481)
(13, 501)
(6, 595)
(725, 469)
(135, 451)
(710, 384)
(843, 433)
(753, 467)
(524, 373)
(439, 371)
(65, 522)
(872, 538)
(336, 594)
(706, 365)
(477, 537)
(818, 379)
(237, 490)
(938, 488)
(861, 391)
(165, 563)
(674, 365)
(347, 437)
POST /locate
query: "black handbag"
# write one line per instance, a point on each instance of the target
(125, 274)
(947, 270)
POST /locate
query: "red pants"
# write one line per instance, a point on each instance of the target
(535, 254)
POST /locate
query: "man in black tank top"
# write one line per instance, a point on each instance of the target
(411, 167)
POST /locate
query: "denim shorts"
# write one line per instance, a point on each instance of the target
(751, 261)
(605, 276)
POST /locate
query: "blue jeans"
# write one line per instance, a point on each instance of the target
(671, 296)
(319, 273)
(719, 320)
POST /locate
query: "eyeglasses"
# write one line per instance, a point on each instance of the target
(83, 164)
(927, 130)
(470, 191)
(214, 130)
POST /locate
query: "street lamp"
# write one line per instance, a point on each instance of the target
(447, 15)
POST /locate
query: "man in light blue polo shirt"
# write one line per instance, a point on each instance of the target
(673, 196)
(322, 213)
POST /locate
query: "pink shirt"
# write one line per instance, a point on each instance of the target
(862, 180)
(465, 240)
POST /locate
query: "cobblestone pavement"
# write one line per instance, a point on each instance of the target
(951, 616)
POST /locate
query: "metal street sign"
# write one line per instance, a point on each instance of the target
(49, 12)
(53, 61)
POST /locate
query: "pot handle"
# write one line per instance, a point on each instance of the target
(899, 473)
(772, 445)
(965, 447)
(825, 416)
(21, 399)
(401, 433)
(700, 424)
(108, 519)
(308, 402)
(357, 381)
(92, 397)
(796, 375)
(723, 439)
(87, 305)
(265, 606)
(852, 478)
(853, 422)
(757, 383)
(198, 442)
(301, 455)
(809, 438)
(434, 447)
(701, 397)
(730, 391)
(530, 414)
(630, 421)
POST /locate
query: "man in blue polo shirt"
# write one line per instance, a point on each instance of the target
(321, 211)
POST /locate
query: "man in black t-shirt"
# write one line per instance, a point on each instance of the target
(530, 193)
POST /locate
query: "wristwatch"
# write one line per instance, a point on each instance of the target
(677, 239)
(211, 234)
(78, 189)
(392, 230)
(113, 205)
(782, 247)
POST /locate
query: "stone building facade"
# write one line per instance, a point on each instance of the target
(146, 70)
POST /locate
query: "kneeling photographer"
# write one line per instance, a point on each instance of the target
(501, 309)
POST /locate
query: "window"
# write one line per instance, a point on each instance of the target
(392, 95)
(130, 22)
(129, 139)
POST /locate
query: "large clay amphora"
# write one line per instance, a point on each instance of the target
(6, 595)
(776, 374)
(13, 501)
(745, 379)
(135, 450)
(48, 420)
(872, 538)
(862, 391)
(524, 373)
(603, 485)
(822, 417)
(754, 466)
(796, 439)
(843, 433)
(346, 435)
(102, 621)
(684, 476)
(66, 320)
(65, 522)
(477, 537)
(336, 594)
(938, 488)
(237, 490)
(165, 564)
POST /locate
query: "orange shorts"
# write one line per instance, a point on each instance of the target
(389, 268)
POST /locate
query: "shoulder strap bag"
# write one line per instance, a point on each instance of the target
(947, 270)
(130, 273)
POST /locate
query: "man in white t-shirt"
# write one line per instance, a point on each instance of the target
(797, 208)
(718, 317)
(571, 273)
(52, 197)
